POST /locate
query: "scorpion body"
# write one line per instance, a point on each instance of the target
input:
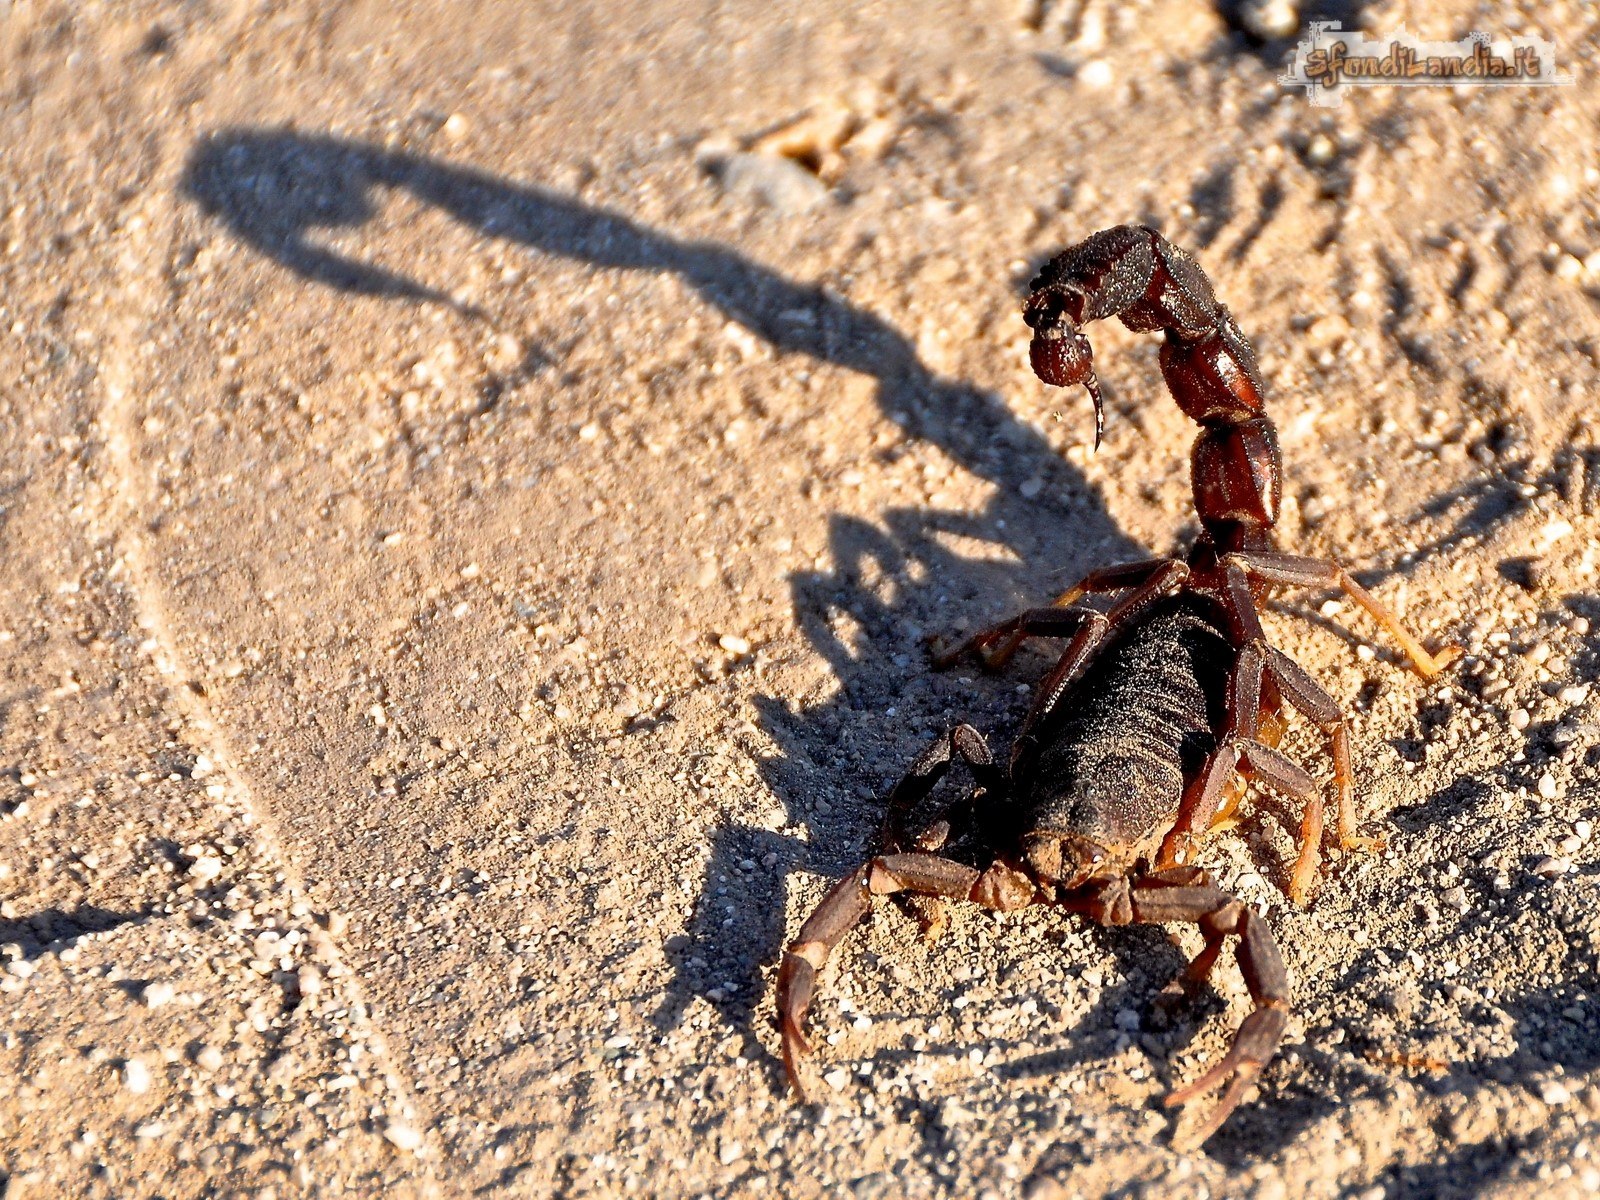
(1140, 739)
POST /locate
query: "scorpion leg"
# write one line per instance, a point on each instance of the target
(1298, 570)
(1309, 698)
(1045, 622)
(1242, 752)
(1000, 887)
(1219, 915)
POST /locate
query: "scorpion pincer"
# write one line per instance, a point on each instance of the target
(1140, 738)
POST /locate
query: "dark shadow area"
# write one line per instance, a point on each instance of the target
(39, 933)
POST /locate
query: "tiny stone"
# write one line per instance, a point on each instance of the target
(1321, 150)
(1547, 786)
(1584, 829)
(209, 1059)
(1096, 73)
(156, 994)
(402, 1136)
(1519, 719)
(836, 1078)
(1573, 694)
(730, 1153)
(1268, 19)
(1554, 1093)
(136, 1076)
(734, 644)
(1551, 867)
(1031, 489)
(205, 868)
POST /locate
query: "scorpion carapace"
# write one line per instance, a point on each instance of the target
(1139, 739)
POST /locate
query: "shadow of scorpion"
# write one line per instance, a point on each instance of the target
(1142, 735)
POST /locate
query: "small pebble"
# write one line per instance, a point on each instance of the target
(1519, 719)
(205, 868)
(1552, 867)
(156, 994)
(734, 644)
(1547, 786)
(836, 1078)
(136, 1076)
(1555, 1093)
(209, 1058)
(1584, 829)
(1269, 19)
(730, 1153)
(1096, 73)
(402, 1136)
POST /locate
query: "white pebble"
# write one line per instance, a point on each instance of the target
(156, 994)
(837, 1078)
(730, 1153)
(1555, 1093)
(205, 868)
(402, 1136)
(1519, 719)
(1547, 786)
(1573, 694)
(1096, 73)
(1552, 867)
(209, 1059)
(734, 644)
(1584, 829)
(136, 1076)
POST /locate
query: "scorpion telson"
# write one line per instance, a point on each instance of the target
(1140, 738)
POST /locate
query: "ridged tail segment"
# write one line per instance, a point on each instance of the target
(1110, 763)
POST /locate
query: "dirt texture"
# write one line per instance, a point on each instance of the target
(476, 485)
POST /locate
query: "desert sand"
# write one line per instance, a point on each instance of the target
(476, 485)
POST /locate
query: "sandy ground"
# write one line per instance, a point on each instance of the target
(472, 513)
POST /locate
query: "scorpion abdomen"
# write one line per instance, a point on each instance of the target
(1110, 763)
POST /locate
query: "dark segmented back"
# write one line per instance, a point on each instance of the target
(1110, 763)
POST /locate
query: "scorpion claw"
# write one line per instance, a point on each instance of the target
(1252, 1047)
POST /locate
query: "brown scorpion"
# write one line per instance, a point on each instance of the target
(1141, 736)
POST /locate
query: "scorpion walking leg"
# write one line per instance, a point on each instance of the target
(1219, 915)
(1242, 752)
(1309, 698)
(1050, 621)
(1297, 570)
(850, 900)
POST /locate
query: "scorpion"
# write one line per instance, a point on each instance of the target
(1142, 736)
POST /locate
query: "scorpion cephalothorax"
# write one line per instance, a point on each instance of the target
(1157, 709)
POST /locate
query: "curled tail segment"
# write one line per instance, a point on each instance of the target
(1133, 273)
